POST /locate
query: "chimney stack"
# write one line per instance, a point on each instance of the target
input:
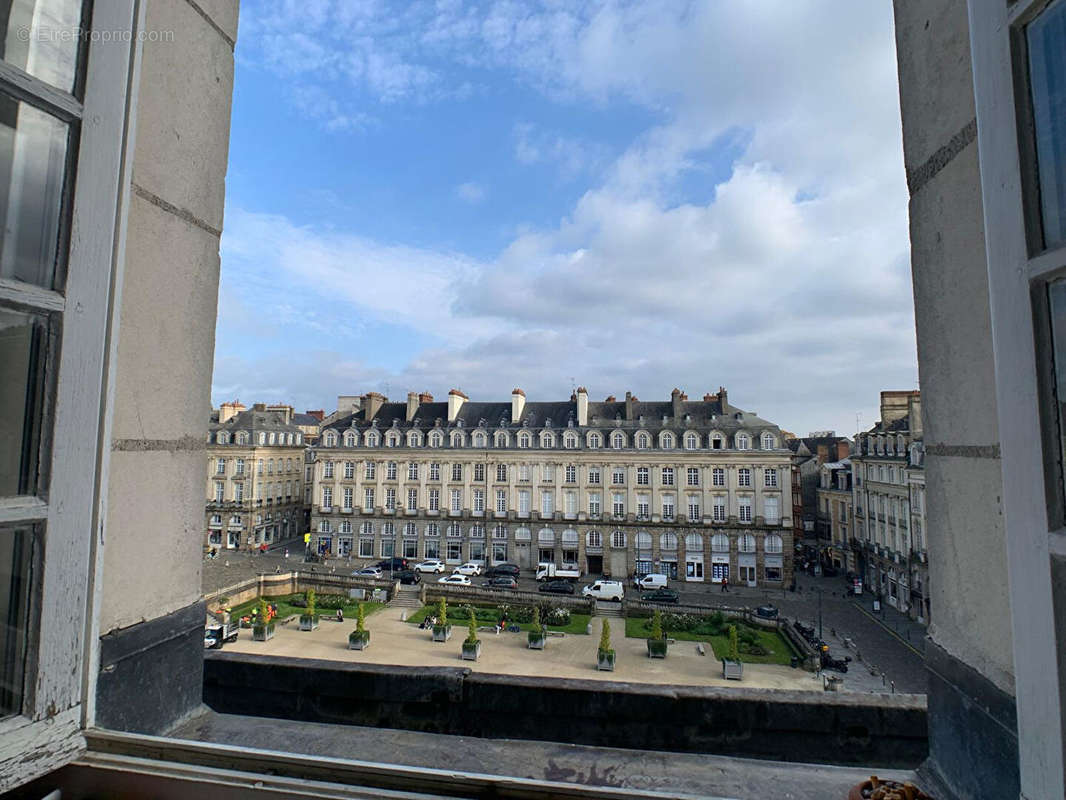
(709, 398)
(372, 402)
(455, 402)
(412, 405)
(582, 406)
(425, 397)
(629, 405)
(284, 409)
(349, 403)
(228, 411)
(518, 402)
(843, 449)
(914, 410)
(675, 401)
(723, 398)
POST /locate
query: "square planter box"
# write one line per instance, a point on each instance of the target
(657, 648)
(358, 641)
(732, 670)
(605, 660)
(442, 633)
(308, 622)
(471, 651)
(535, 641)
(262, 633)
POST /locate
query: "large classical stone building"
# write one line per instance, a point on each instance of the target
(255, 476)
(889, 547)
(696, 489)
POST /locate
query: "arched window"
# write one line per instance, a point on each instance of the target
(743, 441)
(500, 439)
(773, 543)
(720, 543)
(618, 440)
(222, 437)
(371, 439)
(889, 448)
(436, 439)
(717, 441)
(330, 439)
(570, 441)
(367, 528)
(242, 437)
(262, 439)
(668, 541)
(900, 446)
(410, 529)
(593, 539)
(523, 439)
(746, 543)
(547, 440)
(692, 441)
(643, 440)
(392, 439)
(270, 466)
(432, 530)
(346, 526)
(570, 539)
(769, 441)
(666, 441)
(546, 536)
(694, 542)
(594, 440)
(480, 440)
(643, 540)
(456, 439)
(324, 526)
(618, 539)
(414, 439)
(299, 438)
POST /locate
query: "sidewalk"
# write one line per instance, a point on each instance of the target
(900, 625)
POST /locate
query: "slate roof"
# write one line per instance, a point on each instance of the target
(304, 419)
(253, 420)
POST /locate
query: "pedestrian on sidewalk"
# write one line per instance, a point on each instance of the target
(725, 584)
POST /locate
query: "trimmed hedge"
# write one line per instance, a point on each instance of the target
(707, 625)
(521, 614)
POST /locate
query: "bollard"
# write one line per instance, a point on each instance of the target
(893, 686)
(882, 679)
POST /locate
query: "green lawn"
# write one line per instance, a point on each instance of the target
(578, 622)
(780, 650)
(285, 610)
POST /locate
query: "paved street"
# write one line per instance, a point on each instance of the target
(892, 645)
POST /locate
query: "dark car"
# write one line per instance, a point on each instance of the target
(501, 582)
(768, 611)
(407, 576)
(830, 572)
(662, 596)
(556, 587)
(503, 570)
(393, 564)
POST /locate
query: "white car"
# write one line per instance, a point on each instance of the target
(605, 590)
(431, 565)
(469, 568)
(456, 580)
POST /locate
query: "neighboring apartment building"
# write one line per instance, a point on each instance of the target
(835, 517)
(308, 423)
(697, 490)
(255, 476)
(808, 454)
(885, 546)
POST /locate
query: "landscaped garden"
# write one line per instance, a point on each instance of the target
(554, 619)
(326, 605)
(756, 645)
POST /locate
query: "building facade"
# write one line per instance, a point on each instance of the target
(888, 554)
(255, 477)
(835, 514)
(697, 490)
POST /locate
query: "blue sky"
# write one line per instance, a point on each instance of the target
(629, 196)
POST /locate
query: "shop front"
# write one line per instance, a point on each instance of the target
(746, 569)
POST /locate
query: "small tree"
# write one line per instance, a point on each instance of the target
(657, 625)
(605, 637)
(536, 627)
(263, 611)
(734, 647)
(442, 612)
(309, 598)
(471, 637)
(360, 618)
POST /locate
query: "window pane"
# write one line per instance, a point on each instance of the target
(23, 339)
(1047, 75)
(16, 548)
(39, 38)
(1057, 304)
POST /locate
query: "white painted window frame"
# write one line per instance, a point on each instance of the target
(1032, 535)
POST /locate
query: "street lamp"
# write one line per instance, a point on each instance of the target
(819, 612)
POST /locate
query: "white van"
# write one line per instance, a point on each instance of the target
(605, 590)
(653, 581)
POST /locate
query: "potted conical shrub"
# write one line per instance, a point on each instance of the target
(657, 642)
(309, 619)
(262, 628)
(732, 668)
(359, 639)
(536, 637)
(472, 645)
(604, 654)
(442, 631)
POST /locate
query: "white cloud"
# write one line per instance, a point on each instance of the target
(470, 192)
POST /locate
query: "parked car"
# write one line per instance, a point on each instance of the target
(663, 595)
(501, 582)
(393, 564)
(434, 565)
(830, 572)
(456, 580)
(605, 590)
(510, 570)
(655, 580)
(556, 587)
(368, 572)
(768, 611)
(407, 576)
(469, 568)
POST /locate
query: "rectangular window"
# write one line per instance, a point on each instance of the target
(479, 472)
(390, 471)
(618, 504)
(369, 470)
(718, 509)
(390, 499)
(327, 469)
(643, 476)
(523, 472)
(771, 510)
(499, 551)
(668, 506)
(618, 476)
(770, 477)
(718, 476)
(368, 499)
(1046, 37)
(668, 476)
(434, 472)
(412, 499)
(479, 500)
(220, 491)
(457, 501)
(412, 471)
(594, 504)
(547, 504)
(594, 475)
(744, 477)
(523, 503)
(432, 548)
(349, 470)
(434, 499)
(221, 467)
(692, 476)
(501, 501)
(410, 548)
(549, 472)
(366, 548)
(457, 472)
(501, 473)
(388, 548)
(347, 497)
(570, 502)
(694, 509)
(455, 551)
(643, 506)
(327, 497)
(571, 473)
(745, 509)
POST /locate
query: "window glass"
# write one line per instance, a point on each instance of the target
(1057, 304)
(22, 353)
(16, 549)
(39, 38)
(1047, 80)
